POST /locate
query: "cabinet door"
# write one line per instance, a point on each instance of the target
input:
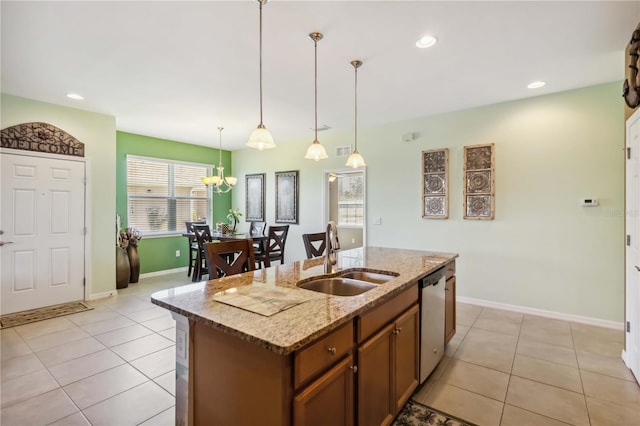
(375, 380)
(406, 356)
(449, 309)
(329, 399)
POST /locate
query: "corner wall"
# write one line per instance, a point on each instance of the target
(98, 133)
(543, 250)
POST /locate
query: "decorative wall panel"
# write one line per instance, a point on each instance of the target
(479, 182)
(435, 184)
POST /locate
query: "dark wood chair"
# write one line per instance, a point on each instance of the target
(257, 228)
(193, 245)
(202, 235)
(315, 244)
(229, 257)
(273, 248)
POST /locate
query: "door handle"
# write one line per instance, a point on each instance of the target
(11, 242)
(637, 268)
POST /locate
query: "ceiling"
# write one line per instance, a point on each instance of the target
(178, 70)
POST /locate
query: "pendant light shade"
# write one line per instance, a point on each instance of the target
(261, 138)
(219, 183)
(355, 160)
(316, 151)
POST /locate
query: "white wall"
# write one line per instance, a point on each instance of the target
(98, 133)
(543, 250)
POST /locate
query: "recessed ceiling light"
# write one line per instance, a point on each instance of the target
(426, 41)
(75, 96)
(536, 84)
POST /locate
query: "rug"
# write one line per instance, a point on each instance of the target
(416, 414)
(40, 314)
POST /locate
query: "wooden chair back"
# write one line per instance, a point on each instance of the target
(188, 224)
(274, 247)
(257, 228)
(314, 244)
(229, 257)
(202, 234)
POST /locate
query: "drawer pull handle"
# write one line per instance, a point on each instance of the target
(354, 368)
(332, 351)
(397, 330)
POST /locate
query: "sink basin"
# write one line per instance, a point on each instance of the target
(371, 277)
(338, 286)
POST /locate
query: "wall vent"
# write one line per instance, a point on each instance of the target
(343, 151)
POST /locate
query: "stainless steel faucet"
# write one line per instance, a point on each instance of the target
(332, 243)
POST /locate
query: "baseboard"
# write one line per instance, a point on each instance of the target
(624, 358)
(95, 296)
(165, 272)
(543, 313)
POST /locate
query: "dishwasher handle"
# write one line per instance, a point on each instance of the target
(433, 278)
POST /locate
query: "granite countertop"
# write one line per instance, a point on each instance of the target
(315, 314)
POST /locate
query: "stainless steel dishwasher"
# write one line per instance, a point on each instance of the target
(431, 321)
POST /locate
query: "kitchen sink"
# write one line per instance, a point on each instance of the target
(337, 286)
(370, 277)
(347, 283)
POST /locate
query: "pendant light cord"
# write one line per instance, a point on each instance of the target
(356, 109)
(220, 149)
(261, 124)
(315, 41)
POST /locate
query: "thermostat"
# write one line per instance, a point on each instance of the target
(589, 202)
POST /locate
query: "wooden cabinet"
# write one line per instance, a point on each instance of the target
(450, 303)
(406, 361)
(328, 400)
(388, 369)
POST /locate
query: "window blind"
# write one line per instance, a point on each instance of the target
(163, 194)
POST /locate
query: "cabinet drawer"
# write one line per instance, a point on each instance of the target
(451, 269)
(321, 354)
(374, 320)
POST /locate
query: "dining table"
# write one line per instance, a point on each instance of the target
(257, 238)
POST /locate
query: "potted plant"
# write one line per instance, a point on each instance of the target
(233, 218)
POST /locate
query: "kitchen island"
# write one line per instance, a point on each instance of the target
(255, 348)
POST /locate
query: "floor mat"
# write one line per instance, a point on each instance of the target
(40, 314)
(415, 414)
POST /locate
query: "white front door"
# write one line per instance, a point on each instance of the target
(632, 324)
(42, 223)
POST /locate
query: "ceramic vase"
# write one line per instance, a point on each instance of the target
(123, 269)
(134, 262)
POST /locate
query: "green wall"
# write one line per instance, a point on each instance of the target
(158, 253)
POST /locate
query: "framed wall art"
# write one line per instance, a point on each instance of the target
(254, 192)
(479, 182)
(435, 184)
(287, 197)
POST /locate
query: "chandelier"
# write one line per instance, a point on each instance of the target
(219, 183)
(355, 159)
(261, 138)
(316, 151)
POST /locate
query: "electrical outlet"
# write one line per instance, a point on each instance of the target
(377, 220)
(177, 253)
(353, 241)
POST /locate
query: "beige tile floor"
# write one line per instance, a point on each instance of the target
(115, 365)
(505, 368)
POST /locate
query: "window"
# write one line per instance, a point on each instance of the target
(163, 194)
(350, 200)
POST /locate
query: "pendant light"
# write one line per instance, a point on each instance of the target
(219, 183)
(261, 138)
(316, 151)
(355, 159)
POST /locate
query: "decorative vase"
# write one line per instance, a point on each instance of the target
(134, 262)
(123, 269)
(225, 228)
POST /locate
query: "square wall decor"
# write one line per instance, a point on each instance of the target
(479, 182)
(435, 184)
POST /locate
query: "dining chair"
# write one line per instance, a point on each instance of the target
(193, 245)
(229, 257)
(257, 228)
(273, 248)
(202, 234)
(315, 244)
